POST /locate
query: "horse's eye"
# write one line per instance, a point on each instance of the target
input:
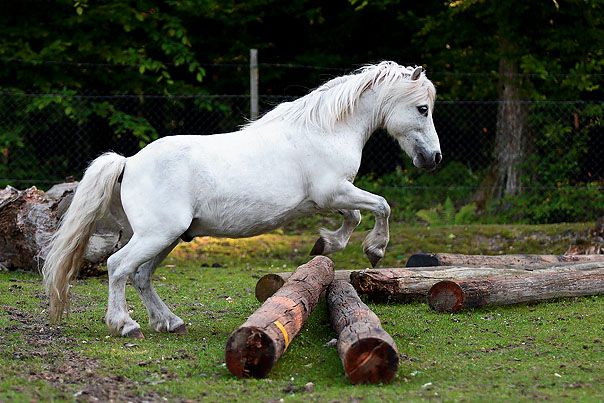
(423, 109)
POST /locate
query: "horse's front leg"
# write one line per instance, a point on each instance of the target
(348, 197)
(333, 241)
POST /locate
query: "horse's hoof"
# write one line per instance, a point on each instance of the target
(319, 247)
(180, 330)
(135, 334)
(373, 258)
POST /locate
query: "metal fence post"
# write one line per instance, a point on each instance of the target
(253, 84)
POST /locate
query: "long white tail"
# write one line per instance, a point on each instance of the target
(67, 246)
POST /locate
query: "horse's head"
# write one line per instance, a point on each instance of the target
(408, 118)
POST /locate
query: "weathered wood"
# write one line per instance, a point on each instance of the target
(255, 346)
(367, 351)
(28, 219)
(413, 284)
(471, 292)
(268, 284)
(454, 259)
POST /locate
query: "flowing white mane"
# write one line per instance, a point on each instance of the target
(338, 97)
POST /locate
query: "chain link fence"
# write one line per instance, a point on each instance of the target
(47, 137)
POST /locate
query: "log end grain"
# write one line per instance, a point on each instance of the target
(268, 285)
(446, 296)
(423, 260)
(250, 353)
(370, 360)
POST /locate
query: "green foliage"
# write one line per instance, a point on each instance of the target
(551, 205)
(447, 214)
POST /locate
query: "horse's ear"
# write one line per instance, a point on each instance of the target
(416, 73)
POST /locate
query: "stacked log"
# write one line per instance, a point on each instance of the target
(253, 349)
(367, 351)
(455, 259)
(471, 292)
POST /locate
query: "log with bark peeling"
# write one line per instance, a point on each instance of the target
(471, 292)
(28, 218)
(411, 284)
(255, 347)
(367, 351)
(454, 259)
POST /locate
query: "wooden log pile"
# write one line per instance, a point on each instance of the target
(368, 353)
(28, 218)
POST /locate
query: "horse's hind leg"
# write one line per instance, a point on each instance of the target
(333, 241)
(120, 265)
(161, 319)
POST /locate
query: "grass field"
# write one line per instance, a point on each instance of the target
(547, 351)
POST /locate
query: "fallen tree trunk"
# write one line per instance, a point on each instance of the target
(571, 281)
(253, 349)
(454, 259)
(404, 285)
(367, 351)
(28, 219)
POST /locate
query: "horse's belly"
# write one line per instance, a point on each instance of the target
(245, 219)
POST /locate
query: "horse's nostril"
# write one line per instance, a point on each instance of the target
(438, 157)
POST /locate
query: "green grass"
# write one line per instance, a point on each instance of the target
(552, 350)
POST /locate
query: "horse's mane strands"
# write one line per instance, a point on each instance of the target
(332, 101)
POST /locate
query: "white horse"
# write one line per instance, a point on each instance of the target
(298, 159)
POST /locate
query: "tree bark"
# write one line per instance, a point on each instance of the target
(367, 351)
(573, 281)
(253, 349)
(404, 285)
(30, 217)
(454, 259)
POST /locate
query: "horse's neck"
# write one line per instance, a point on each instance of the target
(362, 122)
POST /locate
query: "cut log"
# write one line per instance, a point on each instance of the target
(253, 349)
(28, 219)
(411, 284)
(367, 351)
(454, 259)
(268, 284)
(571, 281)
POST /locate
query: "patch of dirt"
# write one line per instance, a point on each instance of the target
(64, 368)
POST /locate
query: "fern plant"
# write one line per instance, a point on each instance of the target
(447, 214)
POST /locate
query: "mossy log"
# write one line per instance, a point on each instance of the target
(367, 351)
(253, 349)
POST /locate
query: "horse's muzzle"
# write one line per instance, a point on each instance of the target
(427, 161)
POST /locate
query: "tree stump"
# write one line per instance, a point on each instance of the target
(30, 217)
(454, 259)
(253, 349)
(572, 281)
(367, 351)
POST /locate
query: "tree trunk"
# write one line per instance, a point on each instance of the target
(511, 131)
(30, 217)
(573, 281)
(510, 141)
(454, 259)
(367, 351)
(253, 349)
(404, 285)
